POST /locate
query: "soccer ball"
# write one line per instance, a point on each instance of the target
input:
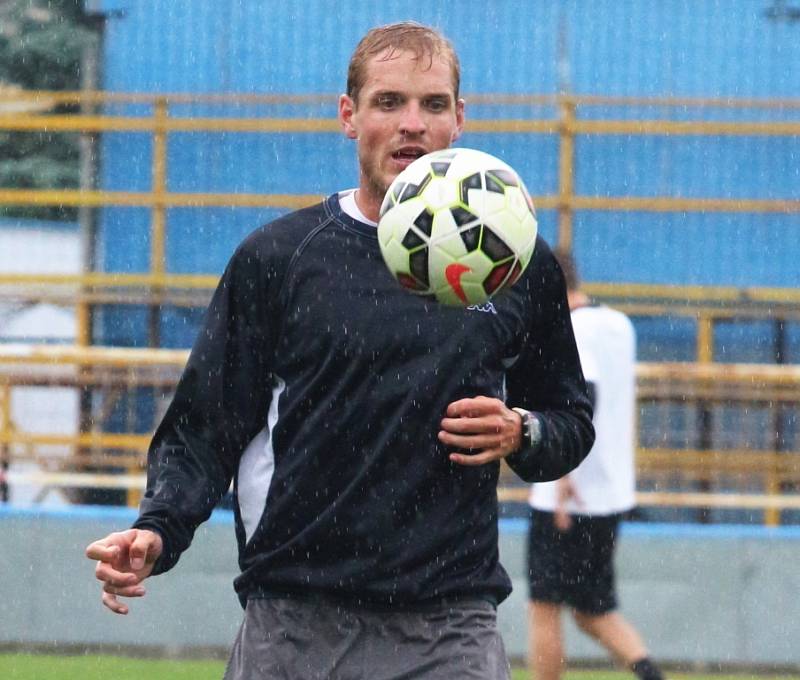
(457, 225)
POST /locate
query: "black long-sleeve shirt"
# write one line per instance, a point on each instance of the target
(317, 384)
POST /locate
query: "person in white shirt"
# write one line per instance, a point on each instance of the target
(574, 520)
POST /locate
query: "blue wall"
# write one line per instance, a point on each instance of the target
(701, 48)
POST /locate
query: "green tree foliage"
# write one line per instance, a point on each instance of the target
(41, 46)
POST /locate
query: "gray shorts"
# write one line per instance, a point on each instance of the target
(298, 640)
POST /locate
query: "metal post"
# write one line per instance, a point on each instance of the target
(5, 446)
(157, 250)
(88, 145)
(773, 483)
(566, 172)
(158, 220)
(705, 441)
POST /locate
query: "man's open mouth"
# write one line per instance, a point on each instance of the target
(408, 154)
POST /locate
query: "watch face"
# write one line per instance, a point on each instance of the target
(533, 430)
(530, 428)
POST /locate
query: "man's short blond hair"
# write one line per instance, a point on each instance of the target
(425, 42)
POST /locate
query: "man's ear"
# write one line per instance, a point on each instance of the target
(459, 120)
(347, 109)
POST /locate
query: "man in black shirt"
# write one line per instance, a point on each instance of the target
(362, 426)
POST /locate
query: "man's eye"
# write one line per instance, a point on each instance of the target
(437, 105)
(387, 102)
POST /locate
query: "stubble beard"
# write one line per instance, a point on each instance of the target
(374, 183)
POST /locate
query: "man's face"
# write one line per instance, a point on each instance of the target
(404, 110)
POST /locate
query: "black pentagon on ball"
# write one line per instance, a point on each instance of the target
(424, 222)
(471, 182)
(418, 264)
(506, 177)
(439, 168)
(398, 189)
(414, 190)
(412, 240)
(471, 237)
(492, 184)
(494, 247)
(462, 216)
(387, 204)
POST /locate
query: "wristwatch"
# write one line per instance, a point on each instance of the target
(531, 428)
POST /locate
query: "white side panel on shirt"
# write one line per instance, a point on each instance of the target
(256, 468)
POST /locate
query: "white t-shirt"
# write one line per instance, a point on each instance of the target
(605, 481)
(347, 199)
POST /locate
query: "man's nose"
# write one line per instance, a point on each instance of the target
(413, 121)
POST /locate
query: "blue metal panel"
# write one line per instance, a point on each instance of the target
(124, 239)
(745, 342)
(792, 343)
(679, 47)
(688, 167)
(704, 48)
(313, 163)
(203, 239)
(688, 249)
(665, 339)
(127, 161)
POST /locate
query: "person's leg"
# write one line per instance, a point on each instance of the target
(594, 600)
(545, 646)
(612, 631)
(621, 639)
(551, 573)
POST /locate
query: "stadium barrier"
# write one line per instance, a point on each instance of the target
(733, 474)
(708, 596)
(706, 431)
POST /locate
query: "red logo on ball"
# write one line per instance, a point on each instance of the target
(453, 274)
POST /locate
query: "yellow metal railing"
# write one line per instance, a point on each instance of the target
(91, 369)
(566, 124)
(110, 372)
(157, 286)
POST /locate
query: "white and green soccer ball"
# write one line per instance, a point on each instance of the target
(457, 225)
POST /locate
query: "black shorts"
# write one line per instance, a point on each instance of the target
(575, 567)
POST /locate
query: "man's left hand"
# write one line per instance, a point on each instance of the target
(483, 429)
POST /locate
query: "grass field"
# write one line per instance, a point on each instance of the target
(51, 667)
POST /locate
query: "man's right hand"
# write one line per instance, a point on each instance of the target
(124, 560)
